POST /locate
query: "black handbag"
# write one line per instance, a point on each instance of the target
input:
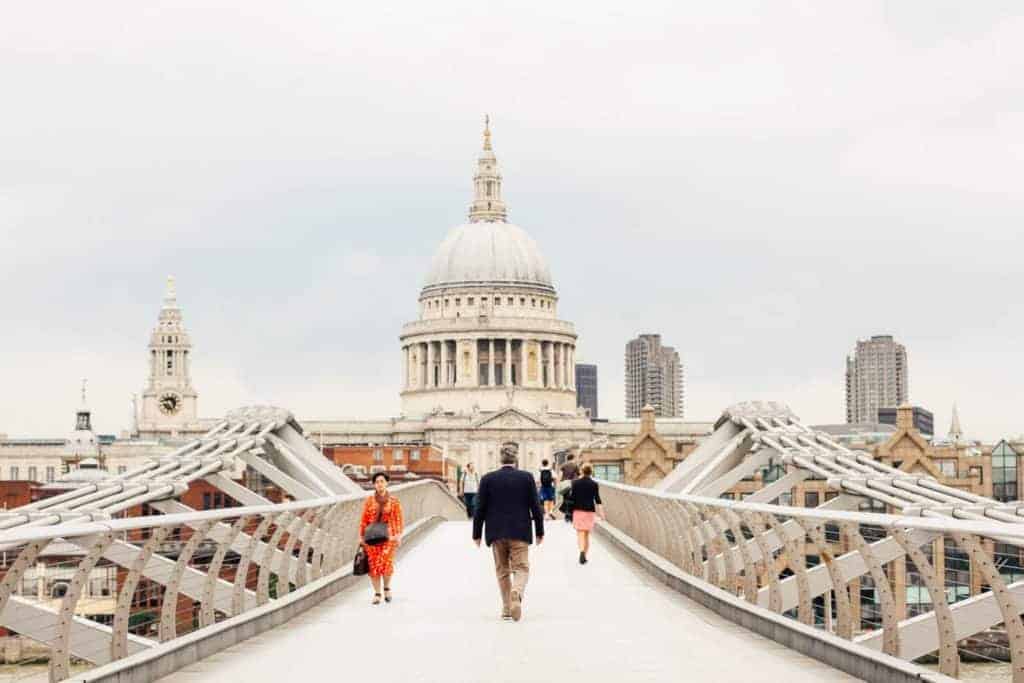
(361, 563)
(376, 533)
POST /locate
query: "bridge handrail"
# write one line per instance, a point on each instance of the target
(931, 521)
(28, 534)
(759, 553)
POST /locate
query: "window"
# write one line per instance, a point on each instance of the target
(415, 454)
(497, 301)
(14, 472)
(396, 455)
(32, 473)
(446, 302)
(469, 301)
(1004, 472)
(207, 501)
(511, 301)
(522, 301)
(947, 467)
(378, 455)
(611, 471)
(533, 302)
(811, 499)
(458, 301)
(51, 474)
(483, 300)
(499, 374)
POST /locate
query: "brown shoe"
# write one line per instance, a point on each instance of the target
(517, 606)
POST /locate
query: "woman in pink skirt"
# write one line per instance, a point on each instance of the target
(586, 503)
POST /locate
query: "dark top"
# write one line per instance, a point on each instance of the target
(507, 502)
(585, 494)
(570, 471)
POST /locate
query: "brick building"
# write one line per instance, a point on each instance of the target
(401, 462)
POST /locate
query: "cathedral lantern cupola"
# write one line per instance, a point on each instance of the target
(487, 204)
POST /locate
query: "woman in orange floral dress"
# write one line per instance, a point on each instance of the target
(382, 557)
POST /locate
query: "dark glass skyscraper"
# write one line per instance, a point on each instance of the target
(586, 388)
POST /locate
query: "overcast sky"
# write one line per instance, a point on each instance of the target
(762, 183)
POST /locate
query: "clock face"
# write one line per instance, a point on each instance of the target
(169, 404)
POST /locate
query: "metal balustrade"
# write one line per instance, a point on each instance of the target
(760, 553)
(180, 572)
(134, 584)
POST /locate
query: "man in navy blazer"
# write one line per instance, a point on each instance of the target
(506, 504)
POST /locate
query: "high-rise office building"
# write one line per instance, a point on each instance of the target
(586, 388)
(654, 376)
(876, 377)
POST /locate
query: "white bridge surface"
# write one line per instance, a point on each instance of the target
(606, 621)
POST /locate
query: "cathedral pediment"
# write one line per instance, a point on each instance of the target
(510, 418)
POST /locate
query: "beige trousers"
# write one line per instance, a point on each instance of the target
(512, 567)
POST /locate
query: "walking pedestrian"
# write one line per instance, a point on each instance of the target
(569, 473)
(547, 489)
(381, 508)
(468, 486)
(506, 504)
(586, 503)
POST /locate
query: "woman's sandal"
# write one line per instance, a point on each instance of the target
(376, 598)
(387, 595)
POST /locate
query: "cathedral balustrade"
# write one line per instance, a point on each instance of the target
(489, 326)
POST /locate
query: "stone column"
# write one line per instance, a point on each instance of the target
(556, 362)
(521, 362)
(444, 363)
(549, 356)
(406, 367)
(491, 379)
(572, 367)
(430, 365)
(474, 359)
(566, 368)
(507, 366)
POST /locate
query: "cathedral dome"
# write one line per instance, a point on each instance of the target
(488, 253)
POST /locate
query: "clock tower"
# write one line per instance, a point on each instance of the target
(169, 401)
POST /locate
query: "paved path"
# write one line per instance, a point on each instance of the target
(606, 621)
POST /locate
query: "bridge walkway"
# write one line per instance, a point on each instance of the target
(606, 621)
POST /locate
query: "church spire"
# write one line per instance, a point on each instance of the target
(956, 433)
(487, 206)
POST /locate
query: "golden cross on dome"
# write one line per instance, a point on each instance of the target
(487, 131)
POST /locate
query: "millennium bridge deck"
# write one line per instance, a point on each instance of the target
(608, 620)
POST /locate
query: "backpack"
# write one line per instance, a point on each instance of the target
(546, 478)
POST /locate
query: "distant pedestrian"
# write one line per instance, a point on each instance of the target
(547, 489)
(468, 486)
(569, 473)
(381, 508)
(506, 504)
(586, 503)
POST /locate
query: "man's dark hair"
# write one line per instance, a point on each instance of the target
(377, 475)
(508, 457)
(544, 463)
(570, 457)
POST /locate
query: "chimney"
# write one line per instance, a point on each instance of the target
(647, 419)
(905, 417)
